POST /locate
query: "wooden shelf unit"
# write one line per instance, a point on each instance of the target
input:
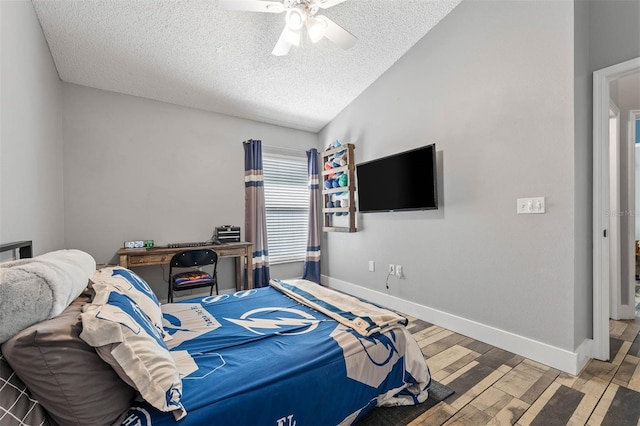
(350, 210)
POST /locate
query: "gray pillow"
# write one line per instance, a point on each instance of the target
(66, 375)
(17, 406)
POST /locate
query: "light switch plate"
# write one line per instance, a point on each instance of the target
(531, 205)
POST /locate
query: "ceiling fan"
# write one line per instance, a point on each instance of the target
(299, 14)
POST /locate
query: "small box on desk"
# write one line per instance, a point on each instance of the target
(227, 234)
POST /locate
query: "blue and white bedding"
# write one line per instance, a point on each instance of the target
(258, 357)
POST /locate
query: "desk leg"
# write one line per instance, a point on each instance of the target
(248, 272)
(239, 283)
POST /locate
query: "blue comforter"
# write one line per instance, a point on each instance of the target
(258, 357)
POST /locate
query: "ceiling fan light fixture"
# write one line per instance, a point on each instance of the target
(316, 28)
(295, 19)
(298, 14)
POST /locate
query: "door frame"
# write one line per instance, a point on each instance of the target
(629, 310)
(634, 115)
(601, 96)
(614, 213)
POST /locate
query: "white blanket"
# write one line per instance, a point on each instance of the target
(364, 317)
(32, 290)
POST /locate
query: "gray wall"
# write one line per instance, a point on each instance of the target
(141, 169)
(492, 86)
(31, 183)
(614, 32)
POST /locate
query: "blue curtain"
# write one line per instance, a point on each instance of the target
(312, 259)
(255, 214)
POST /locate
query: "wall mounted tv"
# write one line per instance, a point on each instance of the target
(404, 181)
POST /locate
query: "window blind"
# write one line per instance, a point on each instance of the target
(286, 196)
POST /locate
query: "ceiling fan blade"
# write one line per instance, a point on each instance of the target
(281, 48)
(252, 5)
(325, 4)
(337, 34)
(287, 39)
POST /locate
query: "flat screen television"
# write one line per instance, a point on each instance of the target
(403, 181)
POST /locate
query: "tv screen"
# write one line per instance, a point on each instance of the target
(404, 181)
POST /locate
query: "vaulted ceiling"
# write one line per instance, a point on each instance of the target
(196, 54)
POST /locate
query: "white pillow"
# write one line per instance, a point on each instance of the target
(125, 338)
(125, 281)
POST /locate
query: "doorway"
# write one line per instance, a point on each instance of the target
(603, 296)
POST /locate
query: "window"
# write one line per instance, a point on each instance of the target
(286, 195)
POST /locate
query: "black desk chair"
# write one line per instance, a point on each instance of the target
(193, 278)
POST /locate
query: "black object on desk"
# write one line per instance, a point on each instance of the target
(227, 234)
(196, 244)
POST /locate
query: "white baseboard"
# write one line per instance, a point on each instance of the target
(562, 359)
(626, 312)
(584, 353)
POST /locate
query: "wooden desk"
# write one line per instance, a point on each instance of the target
(243, 252)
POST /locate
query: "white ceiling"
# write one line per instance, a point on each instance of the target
(195, 54)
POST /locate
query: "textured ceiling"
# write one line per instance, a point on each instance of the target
(195, 54)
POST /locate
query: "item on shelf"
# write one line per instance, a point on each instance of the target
(328, 166)
(338, 205)
(330, 205)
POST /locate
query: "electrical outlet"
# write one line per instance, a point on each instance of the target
(391, 269)
(372, 266)
(399, 271)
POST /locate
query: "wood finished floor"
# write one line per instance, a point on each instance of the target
(496, 387)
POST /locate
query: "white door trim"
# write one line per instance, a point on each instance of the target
(614, 213)
(628, 311)
(601, 79)
(634, 115)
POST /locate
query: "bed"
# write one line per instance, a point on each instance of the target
(293, 353)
